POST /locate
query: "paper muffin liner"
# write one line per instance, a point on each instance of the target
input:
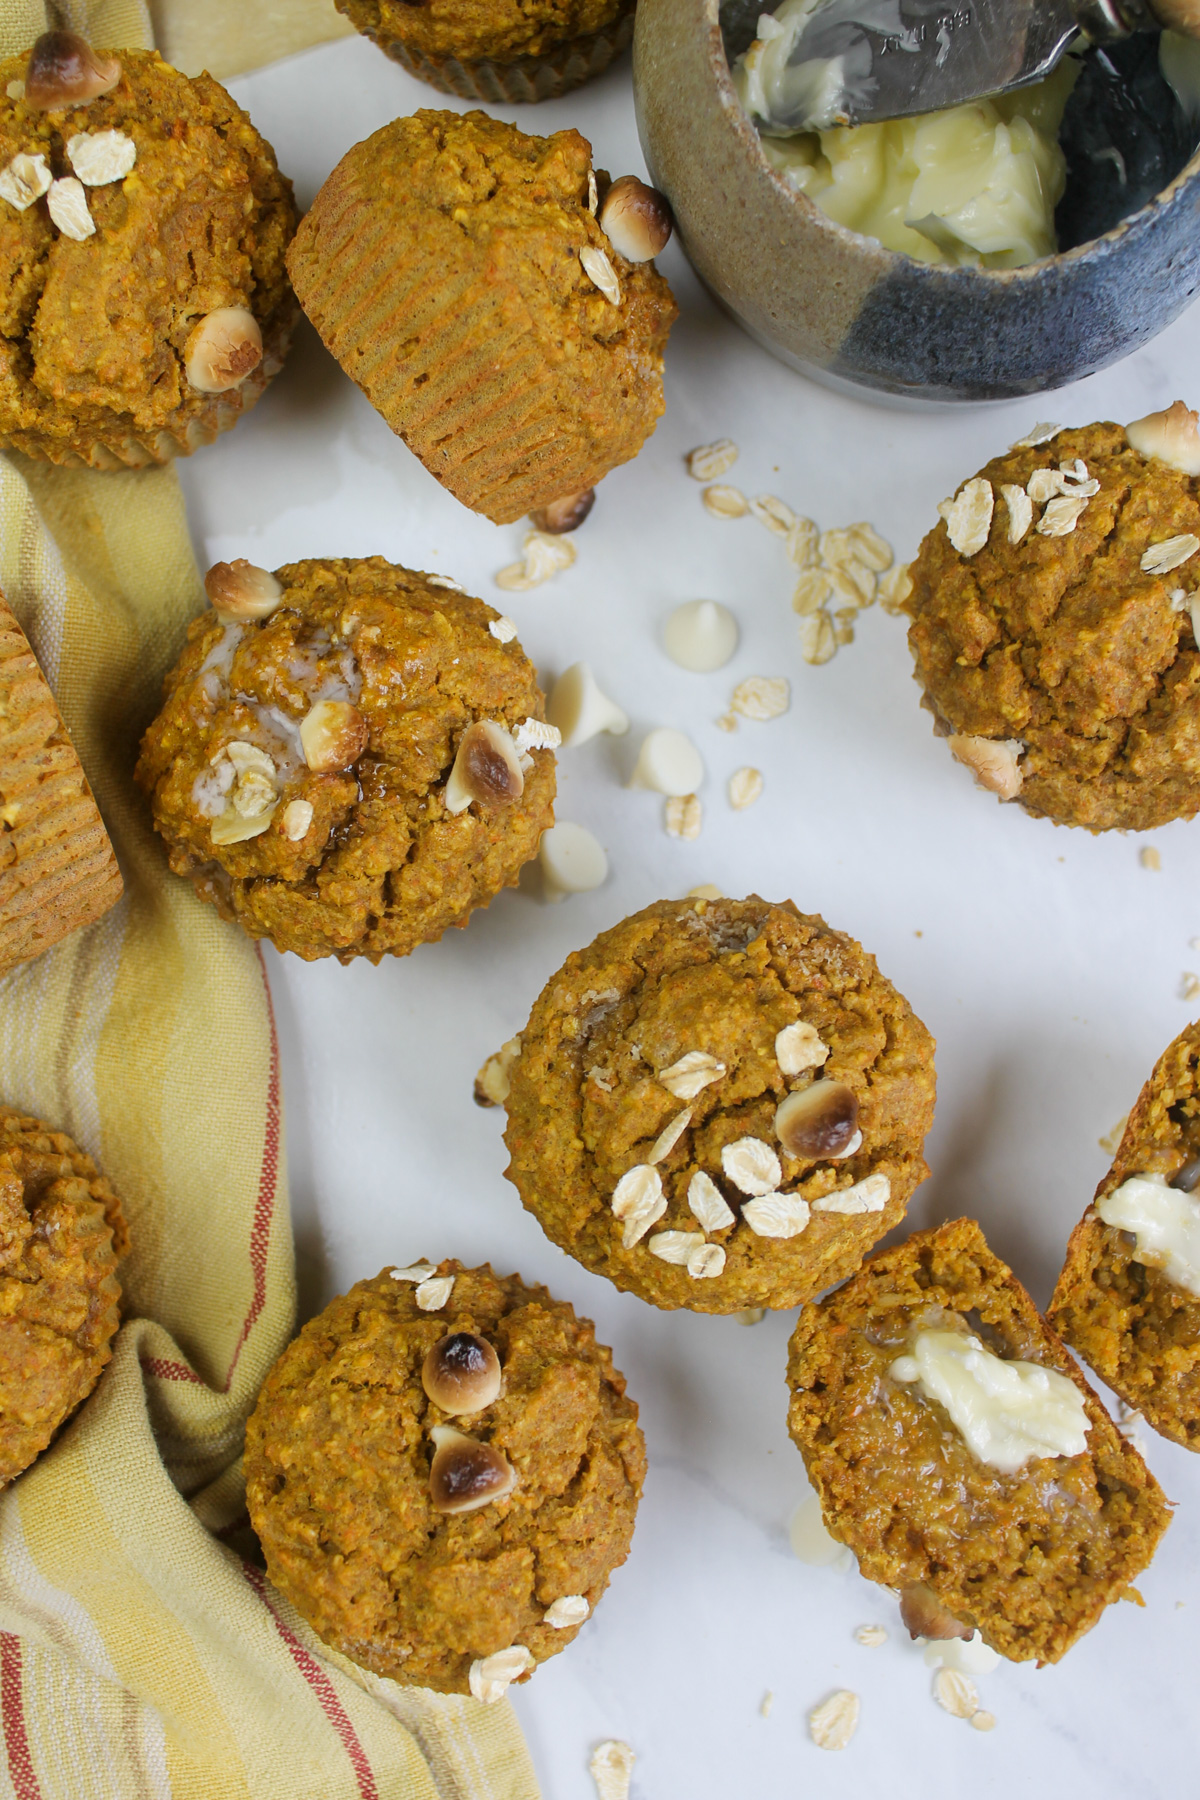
(524, 80)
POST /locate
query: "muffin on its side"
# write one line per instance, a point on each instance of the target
(61, 1235)
(58, 871)
(720, 1104)
(143, 225)
(445, 263)
(1025, 1533)
(443, 1470)
(1052, 623)
(497, 50)
(351, 757)
(1126, 1299)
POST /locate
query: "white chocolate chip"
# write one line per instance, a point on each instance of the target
(612, 1769)
(956, 1692)
(222, 350)
(725, 502)
(700, 635)
(638, 1201)
(745, 787)
(1172, 553)
(668, 763)
(994, 762)
(1171, 437)
(707, 1203)
(570, 1610)
(99, 157)
(707, 890)
(762, 697)
(706, 1262)
(25, 180)
(572, 860)
(708, 461)
(601, 273)
(690, 1074)
(490, 1677)
(494, 1080)
(67, 202)
(433, 1293)
(675, 1246)
(297, 817)
(752, 1166)
(832, 1724)
(501, 627)
(682, 817)
(799, 1047)
(870, 1195)
(775, 514)
(580, 710)
(1020, 511)
(777, 1215)
(667, 1139)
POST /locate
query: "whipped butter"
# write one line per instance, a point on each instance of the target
(1007, 1412)
(1166, 1224)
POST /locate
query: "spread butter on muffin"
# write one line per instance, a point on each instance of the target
(457, 270)
(350, 758)
(61, 1235)
(959, 1453)
(1128, 1297)
(497, 50)
(58, 869)
(143, 227)
(719, 1104)
(443, 1471)
(1052, 625)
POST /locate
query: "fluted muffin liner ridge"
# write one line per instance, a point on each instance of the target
(523, 81)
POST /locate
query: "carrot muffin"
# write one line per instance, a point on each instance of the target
(1128, 1298)
(720, 1104)
(443, 1470)
(960, 1454)
(351, 757)
(58, 870)
(1052, 623)
(455, 269)
(61, 1234)
(497, 49)
(143, 225)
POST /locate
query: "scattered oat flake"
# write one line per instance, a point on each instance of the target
(1037, 434)
(706, 1262)
(811, 591)
(895, 588)
(956, 1693)
(601, 273)
(775, 514)
(869, 1195)
(571, 1609)
(871, 548)
(535, 734)
(686, 1077)
(777, 1215)
(871, 1636)
(1111, 1143)
(768, 1700)
(612, 1769)
(502, 629)
(682, 816)
(745, 787)
(593, 199)
(752, 1166)
(1061, 516)
(1020, 511)
(490, 1677)
(843, 631)
(638, 1201)
(24, 180)
(675, 1246)
(818, 641)
(832, 1724)
(1044, 484)
(983, 1721)
(725, 502)
(667, 1139)
(1150, 858)
(799, 1047)
(66, 201)
(708, 461)
(446, 581)
(1189, 987)
(1172, 553)
(433, 1294)
(802, 544)
(762, 697)
(545, 553)
(414, 1272)
(727, 722)
(969, 516)
(707, 1203)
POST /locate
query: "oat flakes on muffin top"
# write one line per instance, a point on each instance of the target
(720, 1104)
(443, 1470)
(349, 758)
(1052, 628)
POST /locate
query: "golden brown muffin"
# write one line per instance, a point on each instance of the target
(162, 270)
(1062, 666)
(412, 1552)
(720, 1104)
(307, 769)
(441, 263)
(497, 50)
(1029, 1558)
(1138, 1329)
(58, 871)
(61, 1234)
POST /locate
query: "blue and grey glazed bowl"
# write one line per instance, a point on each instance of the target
(841, 308)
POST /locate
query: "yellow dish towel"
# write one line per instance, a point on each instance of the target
(140, 1656)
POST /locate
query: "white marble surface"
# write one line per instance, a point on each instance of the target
(1046, 962)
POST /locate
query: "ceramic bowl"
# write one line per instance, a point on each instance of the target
(840, 307)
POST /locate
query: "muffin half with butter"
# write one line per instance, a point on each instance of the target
(351, 756)
(1128, 1297)
(499, 50)
(443, 1471)
(500, 311)
(958, 1452)
(143, 227)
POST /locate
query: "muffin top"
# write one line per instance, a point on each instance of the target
(183, 215)
(475, 29)
(720, 1104)
(445, 263)
(1070, 652)
(61, 1233)
(348, 759)
(414, 1554)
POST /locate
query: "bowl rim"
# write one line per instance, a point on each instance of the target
(748, 134)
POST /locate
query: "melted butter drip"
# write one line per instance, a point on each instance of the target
(1006, 1412)
(1166, 1224)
